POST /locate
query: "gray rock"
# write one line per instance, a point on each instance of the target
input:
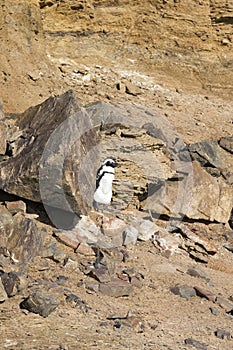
(224, 303)
(146, 228)
(75, 301)
(214, 311)
(195, 343)
(130, 236)
(227, 143)
(51, 250)
(183, 290)
(222, 334)
(196, 271)
(116, 288)
(92, 286)
(207, 153)
(40, 302)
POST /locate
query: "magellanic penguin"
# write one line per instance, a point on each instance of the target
(104, 178)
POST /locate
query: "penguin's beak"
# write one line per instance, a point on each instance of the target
(117, 165)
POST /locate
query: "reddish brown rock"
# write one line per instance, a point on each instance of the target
(204, 293)
(68, 238)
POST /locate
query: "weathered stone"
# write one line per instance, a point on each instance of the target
(167, 243)
(6, 223)
(69, 238)
(200, 256)
(87, 230)
(222, 334)
(132, 89)
(227, 143)
(3, 138)
(47, 165)
(195, 343)
(214, 311)
(135, 277)
(184, 291)
(195, 237)
(224, 303)
(196, 271)
(75, 301)
(198, 196)
(105, 258)
(114, 228)
(40, 302)
(101, 274)
(61, 279)
(13, 283)
(16, 206)
(52, 251)
(212, 198)
(24, 240)
(146, 228)
(116, 288)
(3, 294)
(207, 153)
(85, 249)
(19, 236)
(92, 286)
(130, 236)
(204, 293)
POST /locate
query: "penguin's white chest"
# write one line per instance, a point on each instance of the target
(103, 194)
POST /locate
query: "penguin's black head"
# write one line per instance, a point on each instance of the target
(111, 162)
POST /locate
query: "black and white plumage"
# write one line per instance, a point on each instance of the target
(104, 178)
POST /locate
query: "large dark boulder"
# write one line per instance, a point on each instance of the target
(51, 141)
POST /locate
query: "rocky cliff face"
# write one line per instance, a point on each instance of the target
(48, 46)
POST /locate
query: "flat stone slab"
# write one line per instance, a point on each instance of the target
(116, 288)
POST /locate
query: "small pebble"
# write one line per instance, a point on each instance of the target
(214, 311)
